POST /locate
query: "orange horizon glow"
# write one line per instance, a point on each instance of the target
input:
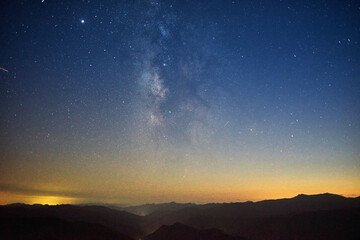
(200, 197)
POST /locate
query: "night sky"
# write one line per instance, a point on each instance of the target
(191, 101)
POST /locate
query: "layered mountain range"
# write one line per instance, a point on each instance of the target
(323, 216)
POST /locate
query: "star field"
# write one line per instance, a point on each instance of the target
(154, 101)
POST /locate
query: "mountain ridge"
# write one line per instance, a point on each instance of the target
(234, 219)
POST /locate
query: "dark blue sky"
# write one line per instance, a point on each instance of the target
(215, 97)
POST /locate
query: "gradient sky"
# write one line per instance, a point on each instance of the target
(190, 101)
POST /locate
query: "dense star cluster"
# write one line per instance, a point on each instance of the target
(146, 100)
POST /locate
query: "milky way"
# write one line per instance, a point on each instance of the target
(152, 101)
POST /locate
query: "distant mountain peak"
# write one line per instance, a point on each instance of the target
(327, 195)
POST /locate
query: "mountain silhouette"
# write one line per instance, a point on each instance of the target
(322, 216)
(237, 218)
(120, 221)
(54, 228)
(319, 225)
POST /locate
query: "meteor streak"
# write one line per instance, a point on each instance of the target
(5, 70)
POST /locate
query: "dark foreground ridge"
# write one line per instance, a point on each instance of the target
(55, 228)
(180, 231)
(323, 216)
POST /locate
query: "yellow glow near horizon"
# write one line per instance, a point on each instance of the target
(51, 200)
(9, 197)
(178, 195)
(165, 180)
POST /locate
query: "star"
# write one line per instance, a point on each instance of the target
(82, 21)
